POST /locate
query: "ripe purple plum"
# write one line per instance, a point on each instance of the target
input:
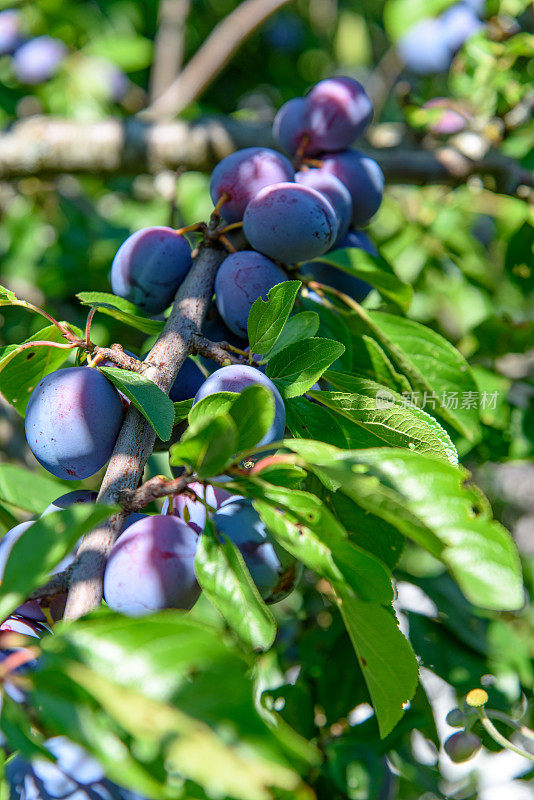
(38, 60)
(274, 571)
(335, 192)
(423, 48)
(9, 31)
(242, 174)
(149, 267)
(290, 222)
(325, 273)
(337, 110)
(237, 377)
(462, 746)
(290, 126)
(188, 381)
(194, 512)
(75, 775)
(447, 121)
(241, 279)
(70, 499)
(72, 422)
(215, 329)
(151, 567)
(363, 178)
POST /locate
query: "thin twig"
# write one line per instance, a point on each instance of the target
(153, 489)
(214, 350)
(168, 45)
(92, 312)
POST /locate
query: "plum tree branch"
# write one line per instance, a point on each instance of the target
(48, 146)
(211, 57)
(136, 438)
(153, 489)
(168, 45)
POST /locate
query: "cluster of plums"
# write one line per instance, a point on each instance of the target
(74, 415)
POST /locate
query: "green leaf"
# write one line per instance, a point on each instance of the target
(386, 657)
(7, 297)
(224, 577)
(427, 501)
(206, 448)
(21, 370)
(121, 309)
(14, 482)
(129, 51)
(373, 269)
(253, 413)
(437, 371)
(156, 407)
(182, 409)
(298, 327)
(267, 318)
(401, 15)
(217, 404)
(384, 370)
(297, 367)
(385, 414)
(42, 546)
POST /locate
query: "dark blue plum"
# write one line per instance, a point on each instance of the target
(274, 571)
(151, 567)
(215, 329)
(69, 499)
(188, 381)
(241, 279)
(10, 37)
(335, 192)
(149, 267)
(337, 111)
(284, 32)
(290, 126)
(363, 178)
(72, 422)
(75, 775)
(342, 281)
(424, 49)
(290, 223)
(237, 377)
(242, 174)
(194, 512)
(38, 60)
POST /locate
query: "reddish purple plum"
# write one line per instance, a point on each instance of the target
(290, 223)
(242, 174)
(10, 37)
(149, 267)
(445, 120)
(194, 512)
(72, 422)
(241, 279)
(337, 111)
(151, 567)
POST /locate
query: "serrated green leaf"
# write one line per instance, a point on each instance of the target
(252, 411)
(384, 370)
(224, 577)
(267, 318)
(42, 546)
(298, 327)
(122, 310)
(206, 448)
(182, 409)
(297, 367)
(156, 407)
(7, 297)
(211, 406)
(21, 370)
(14, 482)
(373, 269)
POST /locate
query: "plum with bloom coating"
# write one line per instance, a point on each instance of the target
(290, 222)
(363, 178)
(242, 174)
(335, 192)
(72, 422)
(238, 377)
(241, 279)
(149, 267)
(194, 512)
(151, 567)
(338, 110)
(274, 571)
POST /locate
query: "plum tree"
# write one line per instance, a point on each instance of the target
(461, 746)
(72, 421)
(241, 175)
(37, 60)
(335, 192)
(241, 279)
(188, 381)
(149, 267)
(237, 377)
(193, 511)
(151, 567)
(73, 774)
(290, 222)
(363, 178)
(274, 571)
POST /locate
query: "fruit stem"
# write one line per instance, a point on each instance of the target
(229, 246)
(497, 736)
(220, 202)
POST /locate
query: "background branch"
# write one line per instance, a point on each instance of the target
(211, 57)
(47, 146)
(169, 45)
